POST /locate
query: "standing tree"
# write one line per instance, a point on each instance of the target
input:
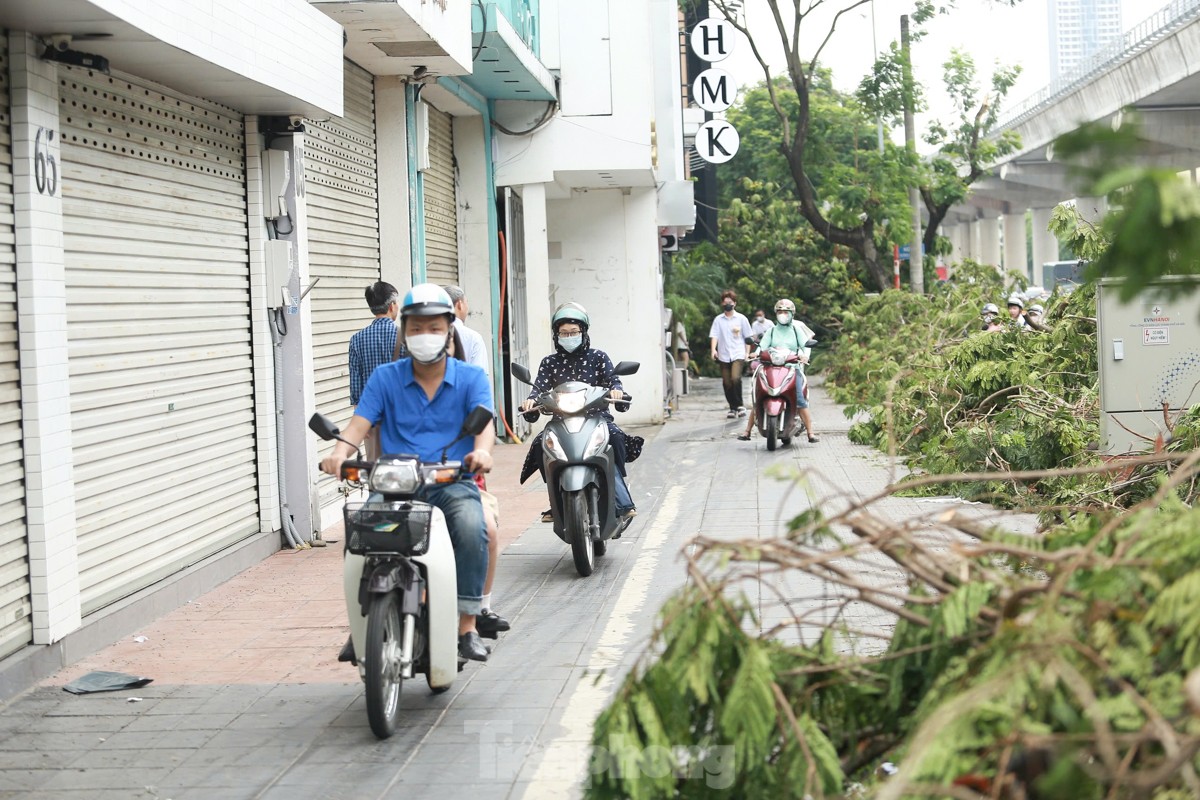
(857, 228)
(964, 150)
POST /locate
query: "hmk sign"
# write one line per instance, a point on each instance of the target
(717, 141)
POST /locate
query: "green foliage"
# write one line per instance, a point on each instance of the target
(1071, 679)
(952, 398)
(1154, 227)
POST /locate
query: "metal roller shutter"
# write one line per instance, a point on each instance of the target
(15, 626)
(158, 304)
(343, 242)
(441, 209)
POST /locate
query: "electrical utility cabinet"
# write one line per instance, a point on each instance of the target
(1149, 361)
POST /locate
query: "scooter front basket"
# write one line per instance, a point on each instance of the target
(388, 527)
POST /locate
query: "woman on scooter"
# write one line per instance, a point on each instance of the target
(575, 359)
(790, 334)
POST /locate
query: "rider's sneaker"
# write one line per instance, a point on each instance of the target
(731, 415)
(489, 623)
(347, 653)
(547, 516)
(741, 412)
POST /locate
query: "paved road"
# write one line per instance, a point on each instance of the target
(248, 702)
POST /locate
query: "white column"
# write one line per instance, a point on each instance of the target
(391, 148)
(1045, 246)
(1092, 209)
(1016, 252)
(953, 234)
(537, 271)
(970, 240)
(644, 308)
(988, 237)
(475, 239)
(42, 328)
(296, 399)
(266, 422)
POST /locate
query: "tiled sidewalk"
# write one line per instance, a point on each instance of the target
(283, 620)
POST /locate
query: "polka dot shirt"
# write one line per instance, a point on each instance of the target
(588, 365)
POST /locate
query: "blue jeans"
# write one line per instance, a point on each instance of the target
(459, 502)
(621, 499)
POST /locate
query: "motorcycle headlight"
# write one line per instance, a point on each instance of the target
(395, 477)
(551, 445)
(570, 402)
(597, 441)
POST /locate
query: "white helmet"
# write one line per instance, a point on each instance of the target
(989, 308)
(1016, 300)
(1037, 309)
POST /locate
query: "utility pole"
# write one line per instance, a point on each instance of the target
(875, 47)
(916, 265)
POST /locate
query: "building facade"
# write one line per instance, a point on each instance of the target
(1078, 28)
(193, 198)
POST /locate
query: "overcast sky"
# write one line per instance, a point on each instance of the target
(987, 30)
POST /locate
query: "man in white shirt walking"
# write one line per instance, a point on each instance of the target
(475, 352)
(474, 344)
(727, 338)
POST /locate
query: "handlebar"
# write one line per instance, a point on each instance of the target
(621, 405)
(356, 470)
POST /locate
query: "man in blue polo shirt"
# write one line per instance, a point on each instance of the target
(420, 403)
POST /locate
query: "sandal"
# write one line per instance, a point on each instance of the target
(814, 439)
(743, 438)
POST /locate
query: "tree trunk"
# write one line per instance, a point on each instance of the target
(936, 215)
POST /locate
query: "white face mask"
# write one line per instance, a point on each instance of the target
(784, 318)
(427, 348)
(570, 343)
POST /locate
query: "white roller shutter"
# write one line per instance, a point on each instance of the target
(441, 209)
(158, 306)
(15, 627)
(343, 241)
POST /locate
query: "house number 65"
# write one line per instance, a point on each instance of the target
(45, 167)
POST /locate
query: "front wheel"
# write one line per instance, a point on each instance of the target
(382, 664)
(579, 533)
(772, 432)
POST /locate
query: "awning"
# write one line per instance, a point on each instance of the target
(504, 67)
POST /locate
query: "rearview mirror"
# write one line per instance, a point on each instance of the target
(323, 427)
(477, 421)
(521, 373)
(626, 368)
(811, 343)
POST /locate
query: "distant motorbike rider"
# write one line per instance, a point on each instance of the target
(575, 359)
(791, 334)
(991, 316)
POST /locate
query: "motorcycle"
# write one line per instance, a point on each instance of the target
(400, 571)
(775, 391)
(578, 463)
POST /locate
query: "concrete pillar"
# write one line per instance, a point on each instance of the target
(395, 232)
(954, 234)
(537, 288)
(42, 324)
(1092, 209)
(1016, 253)
(475, 235)
(1045, 246)
(987, 239)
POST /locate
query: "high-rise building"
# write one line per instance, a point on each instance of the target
(1079, 28)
